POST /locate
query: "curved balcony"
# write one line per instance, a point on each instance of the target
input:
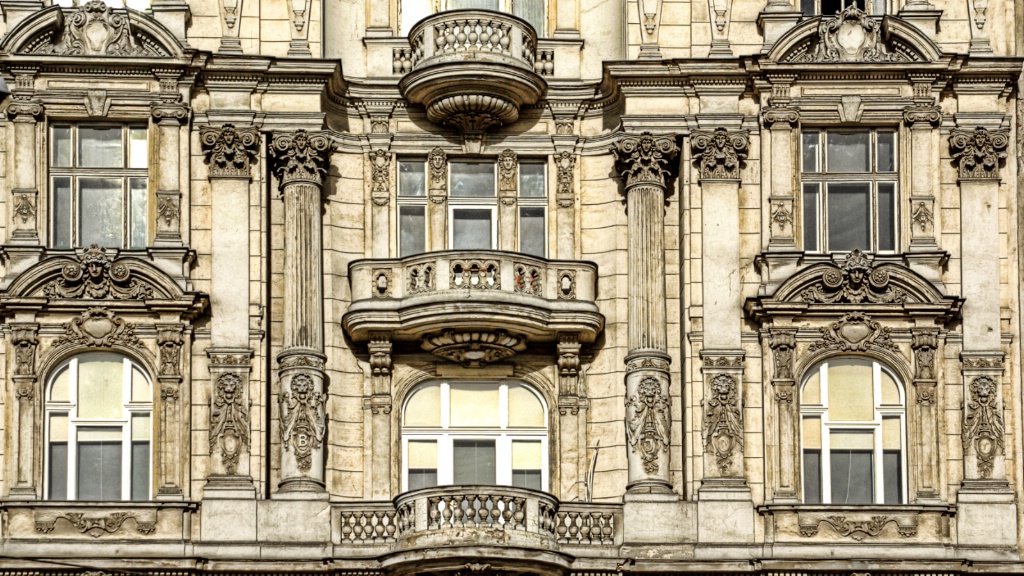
(473, 307)
(473, 68)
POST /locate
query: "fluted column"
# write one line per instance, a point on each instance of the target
(647, 165)
(300, 163)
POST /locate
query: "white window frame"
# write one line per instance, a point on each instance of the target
(881, 411)
(70, 409)
(506, 7)
(412, 200)
(532, 202)
(502, 435)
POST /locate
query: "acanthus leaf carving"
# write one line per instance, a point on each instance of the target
(303, 419)
(719, 154)
(983, 423)
(300, 156)
(855, 282)
(854, 332)
(96, 276)
(229, 151)
(647, 423)
(857, 529)
(25, 340)
(565, 162)
(229, 420)
(169, 340)
(380, 168)
(723, 421)
(97, 526)
(99, 327)
(977, 152)
(96, 29)
(849, 36)
(646, 159)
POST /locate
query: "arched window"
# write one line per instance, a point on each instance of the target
(99, 410)
(533, 11)
(474, 433)
(853, 414)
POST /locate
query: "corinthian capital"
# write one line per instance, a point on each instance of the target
(646, 159)
(719, 153)
(977, 153)
(300, 157)
(229, 150)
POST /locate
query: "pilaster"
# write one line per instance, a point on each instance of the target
(437, 193)
(24, 339)
(25, 112)
(380, 196)
(784, 398)
(924, 417)
(168, 117)
(380, 405)
(230, 424)
(172, 433)
(781, 121)
(572, 420)
(565, 196)
(508, 193)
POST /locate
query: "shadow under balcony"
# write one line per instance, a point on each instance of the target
(473, 69)
(473, 307)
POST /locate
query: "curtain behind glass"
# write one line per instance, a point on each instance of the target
(533, 12)
(473, 4)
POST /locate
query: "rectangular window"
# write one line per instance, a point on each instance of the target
(99, 464)
(422, 458)
(849, 190)
(526, 464)
(140, 456)
(474, 462)
(99, 186)
(412, 207)
(533, 203)
(851, 459)
(472, 198)
(57, 483)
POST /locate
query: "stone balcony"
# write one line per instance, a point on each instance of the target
(441, 530)
(473, 307)
(473, 69)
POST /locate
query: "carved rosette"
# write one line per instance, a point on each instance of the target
(229, 151)
(855, 282)
(303, 421)
(647, 431)
(94, 275)
(983, 424)
(719, 154)
(229, 420)
(977, 153)
(646, 159)
(300, 157)
(380, 176)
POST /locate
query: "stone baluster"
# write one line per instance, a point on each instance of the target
(786, 406)
(437, 192)
(171, 467)
(508, 192)
(379, 405)
(168, 117)
(781, 200)
(25, 112)
(924, 415)
(24, 344)
(300, 161)
(647, 165)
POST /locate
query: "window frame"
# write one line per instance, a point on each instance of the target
(503, 434)
(821, 179)
(532, 202)
(881, 411)
(811, 8)
(75, 423)
(420, 200)
(507, 7)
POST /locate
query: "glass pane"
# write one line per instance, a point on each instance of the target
(58, 480)
(99, 386)
(472, 179)
(531, 180)
(812, 433)
(848, 151)
(850, 391)
(62, 212)
(140, 427)
(139, 215)
(527, 479)
(849, 216)
(471, 229)
(853, 477)
(474, 405)
(886, 216)
(99, 464)
(424, 408)
(812, 389)
(422, 454)
(473, 4)
(412, 176)
(100, 147)
(422, 478)
(531, 231)
(138, 148)
(533, 12)
(524, 409)
(886, 152)
(140, 470)
(892, 476)
(140, 387)
(100, 211)
(892, 434)
(59, 387)
(62, 146)
(474, 462)
(412, 230)
(810, 209)
(526, 455)
(831, 7)
(890, 391)
(59, 427)
(809, 149)
(812, 476)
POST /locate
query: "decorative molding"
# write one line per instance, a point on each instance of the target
(380, 166)
(25, 340)
(568, 350)
(922, 216)
(476, 274)
(229, 359)
(855, 282)
(646, 159)
(168, 209)
(437, 164)
(96, 276)
(303, 420)
(95, 29)
(379, 124)
(776, 114)
(508, 164)
(474, 349)
(381, 279)
(924, 345)
(229, 151)
(25, 107)
(723, 421)
(528, 279)
(647, 363)
(857, 529)
(564, 127)
(229, 419)
(174, 112)
(379, 348)
(849, 36)
(169, 340)
(982, 362)
(98, 327)
(783, 345)
(565, 163)
(301, 361)
(781, 216)
(722, 361)
(97, 526)
(719, 154)
(983, 423)
(977, 153)
(421, 279)
(647, 423)
(855, 332)
(300, 157)
(922, 115)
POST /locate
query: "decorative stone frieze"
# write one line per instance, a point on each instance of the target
(849, 36)
(474, 349)
(854, 332)
(99, 525)
(229, 420)
(723, 422)
(300, 157)
(230, 151)
(854, 282)
(99, 327)
(719, 154)
(96, 276)
(855, 528)
(647, 417)
(303, 420)
(96, 29)
(983, 423)
(977, 153)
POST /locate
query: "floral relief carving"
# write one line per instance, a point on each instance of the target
(98, 327)
(850, 36)
(229, 420)
(97, 526)
(922, 216)
(857, 529)
(527, 279)
(975, 362)
(421, 278)
(301, 361)
(647, 423)
(302, 420)
(783, 344)
(94, 275)
(24, 208)
(95, 29)
(854, 332)
(167, 210)
(723, 421)
(782, 216)
(300, 156)
(646, 159)
(647, 363)
(983, 423)
(380, 167)
(229, 151)
(719, 153)
(977, 153)
(565, 162)
(855, 282)
(169, 340)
